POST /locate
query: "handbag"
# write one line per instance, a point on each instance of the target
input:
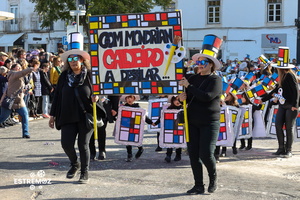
(7, 102)
(89, 118)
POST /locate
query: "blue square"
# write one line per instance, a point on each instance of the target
(107, 85)
(110, 19)
(146, 85)
(155, 112)
(173, 21)
(116, 90)
(129, 90)
(179, 64)
(244, 131)
(125, 122)
(131, 137)
(176, 139)
(132, 23)
(169, 124)
(94, 19)
(168, 90)
(94, 47)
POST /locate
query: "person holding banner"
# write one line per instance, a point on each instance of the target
(287, 94)
(203, 92)
(74, 85)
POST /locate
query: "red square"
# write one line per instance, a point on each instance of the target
(217, 43)
(95, 62)
(91, 31)
(96, 88)
(124, 18)
(179, 76)
(245, 125)
(149, 17)
(275, 111)
(180, 132)
(131, 130)
(223, 129)
(176, 27)
(280, 53)
(136, 131)
(126, 113)
(175, 132)
(177, 33)
(154, 83)
(261, 92)
(154, 90)
(169, 116)
(163, 16)
(155, 104)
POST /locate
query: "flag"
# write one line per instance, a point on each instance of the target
(275, 77)
(250, 77)
(237, 83)
(256, 91)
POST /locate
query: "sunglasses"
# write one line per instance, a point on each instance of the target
(74, 58)
(202, 62)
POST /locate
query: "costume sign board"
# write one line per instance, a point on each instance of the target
(155, 106)
(130, 52)
(226, 135)
(259, 129)
(246, 128)
(129, 127)
(172, 133)
(236, 118)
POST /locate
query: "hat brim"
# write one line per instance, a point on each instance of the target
(290, 66)
(66, 54)
(217, 64)
(123, 97)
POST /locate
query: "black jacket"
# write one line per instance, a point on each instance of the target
(45, 82)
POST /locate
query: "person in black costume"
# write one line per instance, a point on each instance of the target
(203, 92)
(74, 85)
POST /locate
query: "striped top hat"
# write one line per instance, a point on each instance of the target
(283, 58)
(210, 49)
(262, 58)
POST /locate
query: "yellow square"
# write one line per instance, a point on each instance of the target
(94, 25)
(116, 84)
(100, 24)
(94, 53)
(179, 71)
(137, 119)
(247, 114)
(222, 118)
(160, 90)
(121, 90)
(233, 118)
(164, 23)
(124, 24)
(96, 38)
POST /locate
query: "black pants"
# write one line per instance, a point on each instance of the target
(129, 149)
(288, 117)
(170, 151)
(201, 147)
(69, 133)
(101, 139)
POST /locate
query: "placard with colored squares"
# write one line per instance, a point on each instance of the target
(237, 116)
(155, 106)
(129, 127)
(226, 135)
(172, 133)
(246, 125)
(129, 53)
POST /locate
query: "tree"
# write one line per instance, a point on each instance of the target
(54, 10)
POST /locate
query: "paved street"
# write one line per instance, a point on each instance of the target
(254, 174)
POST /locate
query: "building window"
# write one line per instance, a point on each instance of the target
(274, 10)
(213, 11)
(14, 9)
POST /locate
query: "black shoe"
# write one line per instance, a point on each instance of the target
(102, 155)
(139, 153)
(168, 159)
(158, 149)
(177, 158)
(234, 150)
(217, 157)
(26, 136)
(129, 158)
(242, 147)
(248, 148)
(223, 154)
(196, 190)
(92, 157)
(73, 170)
(212, 187)
(84, 177)
(279, 151)
(288, 154)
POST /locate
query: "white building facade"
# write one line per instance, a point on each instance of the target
(25, 31)
(247, 27)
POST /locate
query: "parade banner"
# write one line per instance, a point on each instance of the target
(172, 134)
(129, 127)
(226, 134)
(271, 129)
(246, 128)
(132, 53)
(155, 106)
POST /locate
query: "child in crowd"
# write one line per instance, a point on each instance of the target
(230, 100)
(130, 102)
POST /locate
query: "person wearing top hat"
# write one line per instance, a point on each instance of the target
(203, 92)
(286, 93)
(74, 85)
